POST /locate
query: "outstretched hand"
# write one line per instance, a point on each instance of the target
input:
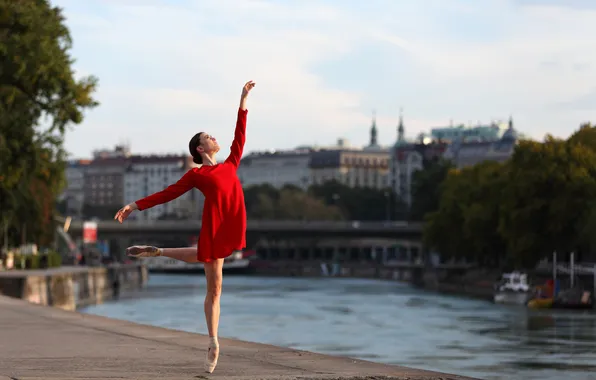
(247, 87)
(124, 212)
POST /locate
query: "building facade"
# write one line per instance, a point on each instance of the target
(104, 183)
(145, 175)
(469, 153)
(354, 167)
(74, 193)
(475, 133)
(276, 168)
(113, 178)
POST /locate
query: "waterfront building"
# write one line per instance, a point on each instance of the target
(276, 168)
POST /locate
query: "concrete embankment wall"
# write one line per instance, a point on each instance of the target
(290, 268)
(72, 287)
(471, 283)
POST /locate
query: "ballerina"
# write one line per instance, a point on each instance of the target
(223, 228)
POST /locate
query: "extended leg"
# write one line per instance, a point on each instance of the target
(188, 254)
(214, 277)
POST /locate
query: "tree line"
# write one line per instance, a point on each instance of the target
(514, 213)
(329, 201)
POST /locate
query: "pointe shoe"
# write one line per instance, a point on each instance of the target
(212, 357)
(143, 251)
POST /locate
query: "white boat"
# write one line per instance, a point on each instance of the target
(513, 289)
(238, 262)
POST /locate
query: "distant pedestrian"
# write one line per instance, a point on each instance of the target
(223, 228)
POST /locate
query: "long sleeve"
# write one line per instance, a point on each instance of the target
(171, 192)
(239, 139)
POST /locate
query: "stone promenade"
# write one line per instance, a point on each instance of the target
(40, 342)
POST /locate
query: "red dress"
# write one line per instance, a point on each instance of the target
(223, 227)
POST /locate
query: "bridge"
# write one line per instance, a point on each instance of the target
(260, 233)
(107, 229)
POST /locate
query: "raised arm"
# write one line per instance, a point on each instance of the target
(169, 193)
(240, 133)
(239, 139)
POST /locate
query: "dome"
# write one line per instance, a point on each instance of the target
(510, 135)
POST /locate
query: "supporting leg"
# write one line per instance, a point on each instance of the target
(214, 277)
(188, 254)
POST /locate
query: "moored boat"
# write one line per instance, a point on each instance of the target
(513, 289)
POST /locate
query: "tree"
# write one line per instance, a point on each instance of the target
(357, 203)
(482, 213)
(586, 234)
(295, 204)
(260, 201)
(443, 227)
(39, 98)
(585, 135)
(426, 187)
(287, 203)
(544, 207)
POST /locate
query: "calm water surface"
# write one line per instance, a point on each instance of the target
(379, 321)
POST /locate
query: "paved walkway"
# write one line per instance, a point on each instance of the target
(38, 342)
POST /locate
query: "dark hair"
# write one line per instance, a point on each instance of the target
(192, 147)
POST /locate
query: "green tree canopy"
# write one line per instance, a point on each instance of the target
(39, 98)
(426, 187)
(288, 203)
(358, 203)
(546, 203)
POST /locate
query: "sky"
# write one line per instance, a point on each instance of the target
(168, 69)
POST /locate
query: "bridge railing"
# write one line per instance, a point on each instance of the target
(261, 224)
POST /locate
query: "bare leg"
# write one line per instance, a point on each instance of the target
(214, 277)
(188, 254)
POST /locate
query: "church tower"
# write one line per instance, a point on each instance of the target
(373, 131)
(400, 128)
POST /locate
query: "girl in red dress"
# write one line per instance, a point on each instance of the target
(224, 216)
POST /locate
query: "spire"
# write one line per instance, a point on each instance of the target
(400, 127)
(373, 130)
(510, 122)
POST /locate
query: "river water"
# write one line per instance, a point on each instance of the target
(380, 321)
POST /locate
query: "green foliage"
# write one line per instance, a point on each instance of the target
(426, 187)
(551, 185)
(39, 98)
(359, 203)
(288, 203)
(49, 259)
(328, 201)
(541, 200)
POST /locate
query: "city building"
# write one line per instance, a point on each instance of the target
(467, 153)
(113, 178)
(407, 157)
(277, 168)
(74, 193)
(367, 167)
(464, 146)
(118, 152)
(104, 183)
(475, 133)
(145, 175)
(104, 180)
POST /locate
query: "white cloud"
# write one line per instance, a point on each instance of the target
(184, 65)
